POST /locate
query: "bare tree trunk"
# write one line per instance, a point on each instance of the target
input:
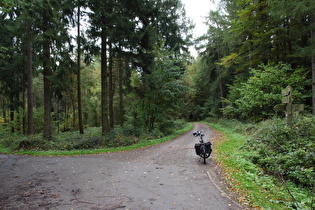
(104, 85)
(47, 85)
(12, 120)
(120, 81)
(4, 109)
(66, 117)
(220, 81)
(58, 115)
(111, 88)
(29, 70)
(73, 111)
(23, 111)
(313, 60)
(79, 75)
(47, 91)
(47, 72)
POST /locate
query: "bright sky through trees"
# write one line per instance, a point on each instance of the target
(197, 10)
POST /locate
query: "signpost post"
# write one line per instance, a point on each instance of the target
(288, 107)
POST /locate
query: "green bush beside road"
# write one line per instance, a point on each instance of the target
(269, 164)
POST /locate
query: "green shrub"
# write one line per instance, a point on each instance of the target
(286, 151)
(16, 141)
(91, 139)
(278, 177)
(91, 142)
(255, 98)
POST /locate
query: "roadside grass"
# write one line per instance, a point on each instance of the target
(138, 145)
(255, 189)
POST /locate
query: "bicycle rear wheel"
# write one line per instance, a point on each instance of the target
(203, 153)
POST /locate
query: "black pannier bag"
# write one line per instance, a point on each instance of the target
(197, 148)
(208, 147)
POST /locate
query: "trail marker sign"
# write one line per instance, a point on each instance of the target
(288, 107)
(287, 95)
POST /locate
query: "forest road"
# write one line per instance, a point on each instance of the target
(165, 176)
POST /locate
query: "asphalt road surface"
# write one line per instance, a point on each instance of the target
(165, 176)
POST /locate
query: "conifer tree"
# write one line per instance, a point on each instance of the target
(79, 67)
(299, 18)
(12, 80)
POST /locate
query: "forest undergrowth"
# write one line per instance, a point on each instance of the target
(92, 141)
(269, 165)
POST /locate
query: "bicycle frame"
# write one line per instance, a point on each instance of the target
(203, 149)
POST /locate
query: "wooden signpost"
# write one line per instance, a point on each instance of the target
(288, 107)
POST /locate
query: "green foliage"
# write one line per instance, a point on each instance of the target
(244, 35)
(91, 94)
(268, 186)
(17, 124)
(255, 99)
(286, 151)
(138, 145)
(211, 79)
(92, 138)
(159, 93)
(136, 36)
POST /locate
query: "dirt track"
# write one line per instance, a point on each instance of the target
(165, 176)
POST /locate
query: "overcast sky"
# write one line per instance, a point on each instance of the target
(197, 10)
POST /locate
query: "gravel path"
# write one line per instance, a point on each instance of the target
(165, 176)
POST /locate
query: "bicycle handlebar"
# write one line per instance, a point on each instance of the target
(198, 133)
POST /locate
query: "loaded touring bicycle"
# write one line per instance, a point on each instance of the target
(203, 149)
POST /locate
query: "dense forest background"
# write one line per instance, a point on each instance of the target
(69, 65)
(90, 74)
(253, 50)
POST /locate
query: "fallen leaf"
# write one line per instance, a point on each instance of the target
(40, 192)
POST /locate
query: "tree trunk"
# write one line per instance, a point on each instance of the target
(47, 72)
(47, 91)
(12, 121)
(120, 81)
(111, 88)
(23, 110)
(74, 126)
(58, 115)
(221, 93)
(29, 70)
(104, 85)
(79, 75)
(66, 120)
(4, 109)
(313, 60)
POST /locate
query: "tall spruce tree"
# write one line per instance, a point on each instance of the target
(162, 28)
(79, 5)
(101, 18)
(29, 65)
(298, 17)
(259, 32)
(12, 80)
(212, 76)
(133, 30)
(55, 51)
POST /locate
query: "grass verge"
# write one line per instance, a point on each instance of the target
(255, 189)
(140, 144)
